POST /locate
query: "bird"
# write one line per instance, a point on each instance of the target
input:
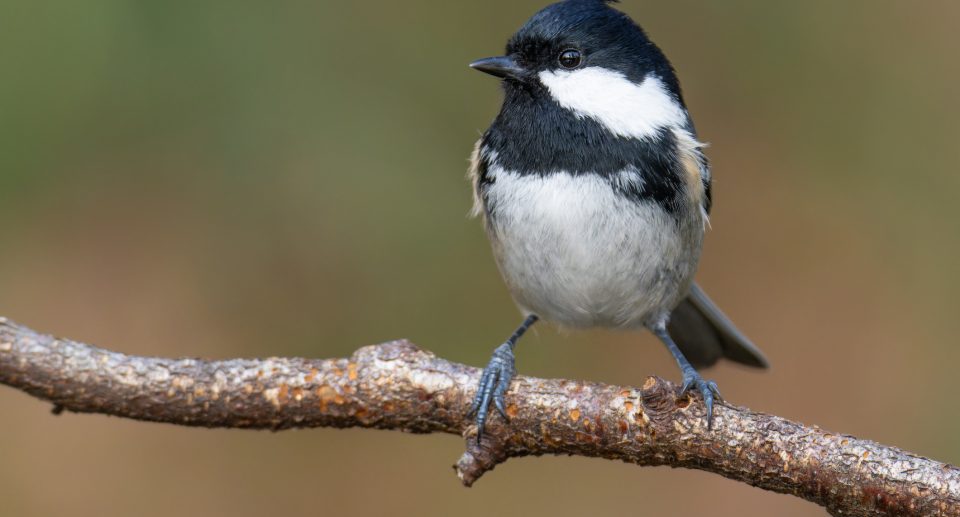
(595, 194)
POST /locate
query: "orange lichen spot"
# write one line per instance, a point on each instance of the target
(312, 375)
(273, 396)
(326, 394)
(574, 414)
(551, 440)
(586, 423)
(352, 371)
(628, 406)
(259, 373)
(649, 383)
(388, 407)
(844, 441)
(337, 372)
(865, 454)
(248, 388)
(785, 456)
(199, 391)
(361, 414)
(284, 392)
(297, 394)
(584, 437)
(625, 393)
(512, 410)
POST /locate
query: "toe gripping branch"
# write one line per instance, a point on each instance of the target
(691, 379)
(707, 388)
(493, 385)
(496, 379)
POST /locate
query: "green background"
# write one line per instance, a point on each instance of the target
(224, 179)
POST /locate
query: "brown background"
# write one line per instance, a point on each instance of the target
(222, 178)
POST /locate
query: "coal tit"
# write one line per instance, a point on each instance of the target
(595, 193)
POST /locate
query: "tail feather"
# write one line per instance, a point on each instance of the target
(704, 334)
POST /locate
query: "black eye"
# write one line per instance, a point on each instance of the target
(570, 58)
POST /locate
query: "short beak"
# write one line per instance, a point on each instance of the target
(501, 66)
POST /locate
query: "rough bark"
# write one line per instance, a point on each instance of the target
(398, 386)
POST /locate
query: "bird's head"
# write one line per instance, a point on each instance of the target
(594, 60)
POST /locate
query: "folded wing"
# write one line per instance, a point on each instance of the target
(704, 334)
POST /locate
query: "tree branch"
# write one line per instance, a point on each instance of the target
(398, 386)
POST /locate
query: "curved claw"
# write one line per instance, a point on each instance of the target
(493, 386)
(708, 389)
(499, 404)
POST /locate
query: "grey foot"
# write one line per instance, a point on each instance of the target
(493, 385)
(709, 390)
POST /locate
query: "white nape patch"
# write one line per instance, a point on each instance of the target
(625, 108)
(575, 251)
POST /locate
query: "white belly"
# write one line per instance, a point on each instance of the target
(574, 251)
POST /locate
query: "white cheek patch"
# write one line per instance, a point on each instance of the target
(625, 108)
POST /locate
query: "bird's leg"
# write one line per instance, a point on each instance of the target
(496, 378)
(691, 378)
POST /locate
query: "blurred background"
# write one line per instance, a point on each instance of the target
(224, 179)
